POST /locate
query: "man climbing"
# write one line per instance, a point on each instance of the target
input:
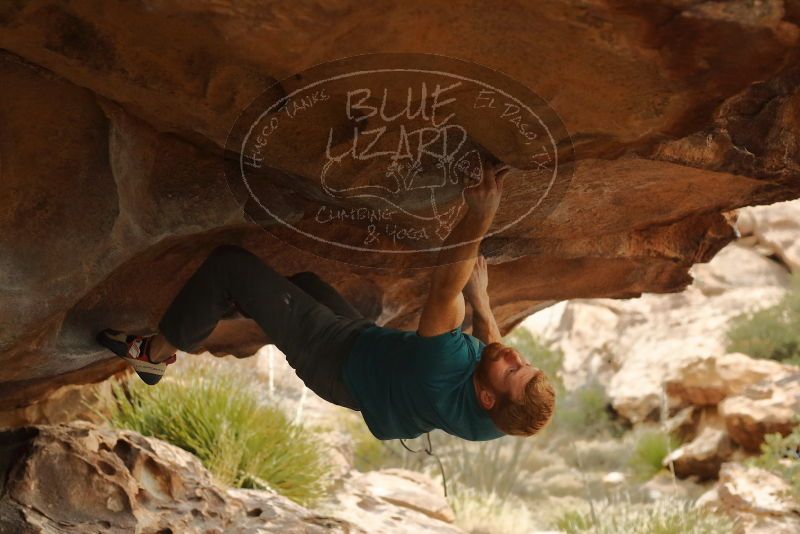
(404, 383)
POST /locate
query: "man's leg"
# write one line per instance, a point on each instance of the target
(325, 294)
(314, 338)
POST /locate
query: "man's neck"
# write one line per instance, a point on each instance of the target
(477, 390)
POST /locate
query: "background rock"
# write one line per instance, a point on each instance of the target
(763, 408)
(707, 381)
(756, 497)
(703, 456)
(392, 500)
(671, 349)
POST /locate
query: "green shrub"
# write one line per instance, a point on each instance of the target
(215, 414)
(650, 448)
(781, 455)
(583, 412)
(773, 332)
(667, 516)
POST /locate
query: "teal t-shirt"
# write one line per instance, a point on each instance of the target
(407, 384)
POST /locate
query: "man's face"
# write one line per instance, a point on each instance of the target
(502, 370)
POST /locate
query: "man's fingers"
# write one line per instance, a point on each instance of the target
(500, 177)
(488, 174)
(498, 171)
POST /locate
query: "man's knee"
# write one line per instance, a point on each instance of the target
(229, 252)
(304, 278)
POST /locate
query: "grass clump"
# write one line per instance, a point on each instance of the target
(771, 333)
(488, 513)
(650, 448)
(583, 412)
(667, 516)
(216, 415)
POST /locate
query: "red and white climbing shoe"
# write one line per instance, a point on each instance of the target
(136, 351)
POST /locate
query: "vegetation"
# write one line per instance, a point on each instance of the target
(215, 414)
(584, 412)
(773, 332)
(483, 512)
(651, 447)
(781, 455)
(668, 516)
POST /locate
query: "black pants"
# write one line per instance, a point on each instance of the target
(307, 319)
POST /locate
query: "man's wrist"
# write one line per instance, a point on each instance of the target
(479, 217)
(480, 304)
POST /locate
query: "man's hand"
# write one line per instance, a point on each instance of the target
(483, 196)
(476, 289)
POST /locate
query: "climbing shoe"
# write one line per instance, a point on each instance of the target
(136, 351)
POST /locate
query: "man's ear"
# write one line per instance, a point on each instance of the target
(486, 398)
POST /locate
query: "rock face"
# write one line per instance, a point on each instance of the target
(78, 477)
(393, 500)
(763, 408)
(81, 478)
(758, 498)
(703, 456)
(114, 118)
(707, 381)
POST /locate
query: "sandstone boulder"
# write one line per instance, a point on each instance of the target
(392, 500)
(762, 408)
(706, 381)
(756, 497)
(81, 478)
(703, 456)
(65, 403)
(684, 423)
(774, 230)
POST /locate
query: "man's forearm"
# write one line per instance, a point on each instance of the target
(484, 326)
(455, 263)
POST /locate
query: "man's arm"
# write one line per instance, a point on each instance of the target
(444, 308)
(484, 326)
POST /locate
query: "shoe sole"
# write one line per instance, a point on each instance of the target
(116, 342)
